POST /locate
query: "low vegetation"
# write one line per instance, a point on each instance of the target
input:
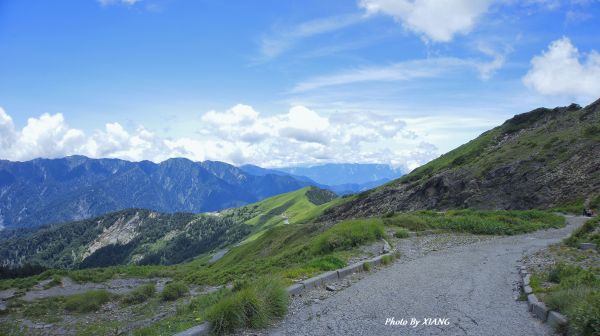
(349, 234)
(173, 291)
(87, 302)
(572, 286)
(140, 294)
(589, 232)
(401, 233)
(505, 222)
(576, 293)
(255, 305)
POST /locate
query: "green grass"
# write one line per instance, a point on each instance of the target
(577, 295)
(349, 234)
(174, 291)
(387, 259)
(187, 315)
(254, 306)
(401, 233)
(502, 222)
(296, 206)
(587, 233)
(140, 294)
(573, 207)
(87, 302)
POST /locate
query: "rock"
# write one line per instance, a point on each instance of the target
(556, 320)
(331, 288)
(531, 299)
(3, 308)
(527, 289)
(539, 310)
(386, 247)
(587, 246)
(202, 329)
(526, 280)
(295, 289)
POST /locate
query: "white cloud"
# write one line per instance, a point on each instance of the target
(435, 20)
(403, 71)
(563, 70)
(238, 135)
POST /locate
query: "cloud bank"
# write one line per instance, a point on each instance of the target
(238, 135)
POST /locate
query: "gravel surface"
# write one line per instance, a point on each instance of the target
(471, 281)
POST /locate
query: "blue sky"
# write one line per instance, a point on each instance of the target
(280, 83)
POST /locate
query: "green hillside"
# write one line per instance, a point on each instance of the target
(543, 159)
(138, 236)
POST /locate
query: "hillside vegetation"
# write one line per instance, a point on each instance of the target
(544, 159)
(143, 237)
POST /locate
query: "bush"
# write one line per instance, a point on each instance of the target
(254, 306)
(140, 294)
(327, 263)
(401, 233)
(367, 267)
(87, 302)
(349, 234)
(173, 291)
(387, 259)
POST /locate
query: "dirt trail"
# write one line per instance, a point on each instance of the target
(473, 286)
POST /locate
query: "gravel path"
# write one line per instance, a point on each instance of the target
(474, 286)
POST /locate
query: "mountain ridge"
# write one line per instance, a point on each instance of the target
(544, 158)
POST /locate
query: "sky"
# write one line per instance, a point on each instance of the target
(282, 83)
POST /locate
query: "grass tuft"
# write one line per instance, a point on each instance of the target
(87, 302)
(173, 291)
(140, 294)
(254, 306)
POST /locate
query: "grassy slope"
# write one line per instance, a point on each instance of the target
(294, 206)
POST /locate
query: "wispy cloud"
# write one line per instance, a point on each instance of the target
(283, 39)
(403, 71)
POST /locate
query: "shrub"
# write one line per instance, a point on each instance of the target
(327, 263)
(401, 233)
(140, 294)
(387, 259)
(87, 302)
(173, 291)
(254, 306)
(349, 234)
(367, 267)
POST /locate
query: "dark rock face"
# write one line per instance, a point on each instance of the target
(44, 191)
(539, 159)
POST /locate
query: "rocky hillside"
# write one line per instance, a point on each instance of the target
(46, 191)
(539, 159)
(138, 236)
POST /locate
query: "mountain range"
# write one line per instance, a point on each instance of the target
(46, 191)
